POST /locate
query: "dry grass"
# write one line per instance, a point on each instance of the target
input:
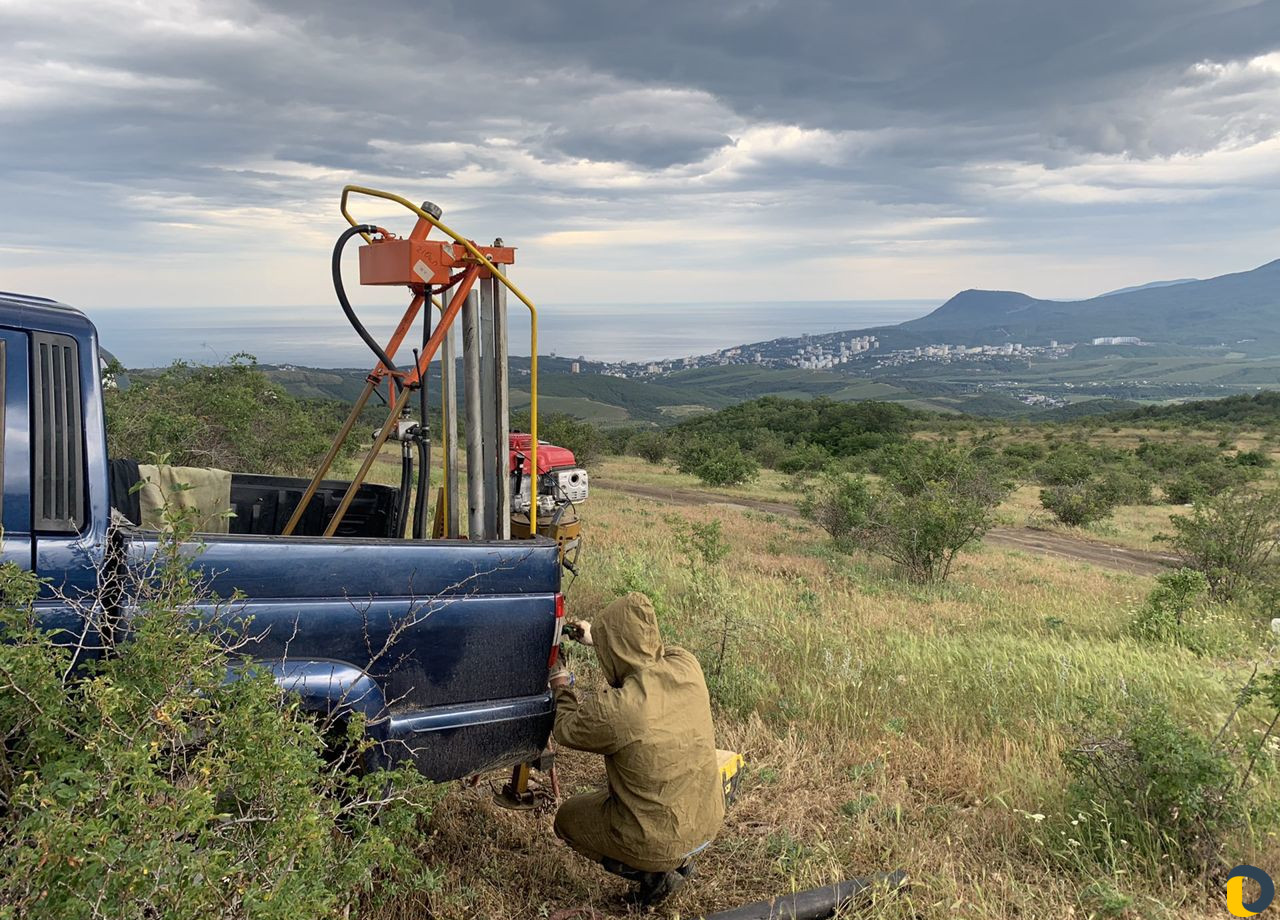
(885, 726)
(770, 485)
(1134, 526)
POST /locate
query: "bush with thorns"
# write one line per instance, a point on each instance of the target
(149, 770)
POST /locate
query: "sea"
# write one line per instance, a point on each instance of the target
(320, 336)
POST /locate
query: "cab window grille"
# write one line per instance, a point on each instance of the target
(58, 435)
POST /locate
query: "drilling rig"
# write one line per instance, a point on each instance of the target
(516, 486)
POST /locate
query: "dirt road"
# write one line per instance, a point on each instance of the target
(1040, 542)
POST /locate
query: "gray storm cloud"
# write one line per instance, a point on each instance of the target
(969, 139)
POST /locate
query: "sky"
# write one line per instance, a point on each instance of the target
(185, 156)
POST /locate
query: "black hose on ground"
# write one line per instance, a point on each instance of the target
(341, 291)
(814, 904)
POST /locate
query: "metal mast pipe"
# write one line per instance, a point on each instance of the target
(476, 521)
(449, 411)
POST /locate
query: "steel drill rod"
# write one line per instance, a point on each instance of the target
(814, 904)
(449, 409)
(329, 457)
(402, 400)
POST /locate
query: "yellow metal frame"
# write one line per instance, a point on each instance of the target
(493, 269)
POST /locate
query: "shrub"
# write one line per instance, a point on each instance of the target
(1202, 479)
(1078, 504)
(1169, 793)
(1125, 486)
(1231, 538)
(650, 445)
(1253, 458)
(1021, 456)
(1170, 613)
(767, 447)
(575, 434)
(839, 503)
(1068, 465)
(934, 504)
(844, 429)
(715, 616)
(717, 462)
(148, 786)
(1168, 457)
(616, 441)
(230, 416)
(804, 458)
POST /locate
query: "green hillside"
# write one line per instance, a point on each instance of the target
(1261, 410)
(1214, 338)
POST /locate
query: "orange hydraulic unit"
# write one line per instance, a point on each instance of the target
(392, 260)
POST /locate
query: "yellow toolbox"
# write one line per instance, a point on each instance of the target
(731, 769)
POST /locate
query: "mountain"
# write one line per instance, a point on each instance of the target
(1240, 310)
(1211, 338)
(1149, 284)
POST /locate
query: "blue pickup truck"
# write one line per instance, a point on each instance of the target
(443, 646)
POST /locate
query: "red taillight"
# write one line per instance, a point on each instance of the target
(555, 640)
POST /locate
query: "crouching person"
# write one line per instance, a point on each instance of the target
(663, 803)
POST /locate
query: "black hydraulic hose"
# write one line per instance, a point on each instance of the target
(424, 485)
(406, 485)
(342, 294)
(814, 904)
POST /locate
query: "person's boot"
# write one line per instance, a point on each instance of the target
(622, 870)
(656, 887)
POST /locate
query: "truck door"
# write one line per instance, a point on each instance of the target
(66, 532)
(15, 458)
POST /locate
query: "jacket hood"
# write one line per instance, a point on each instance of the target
(626, 638)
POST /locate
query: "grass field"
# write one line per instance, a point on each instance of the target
(770, 485)
(886, 726)
(1135, 526)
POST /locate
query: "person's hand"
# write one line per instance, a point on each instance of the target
(558, 678)
(579, 631)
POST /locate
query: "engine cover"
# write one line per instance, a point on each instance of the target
(571, 484)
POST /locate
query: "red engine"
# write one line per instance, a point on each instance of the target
(550, 457)
(560, 479)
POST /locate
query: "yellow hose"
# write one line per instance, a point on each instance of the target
(533, 322)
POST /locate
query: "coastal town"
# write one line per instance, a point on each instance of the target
(835, 352)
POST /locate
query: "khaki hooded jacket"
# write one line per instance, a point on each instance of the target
(653, 726)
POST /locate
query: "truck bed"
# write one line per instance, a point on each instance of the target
(264, 504)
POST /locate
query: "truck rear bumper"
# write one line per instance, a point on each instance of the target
(450, 742)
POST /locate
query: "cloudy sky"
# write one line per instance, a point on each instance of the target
(184, 152)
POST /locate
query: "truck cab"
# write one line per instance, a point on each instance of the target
(441, 645)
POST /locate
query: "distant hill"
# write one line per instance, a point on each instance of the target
(1261, 410)
(1241, 311)
(1215, 337)
(1147, 286)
